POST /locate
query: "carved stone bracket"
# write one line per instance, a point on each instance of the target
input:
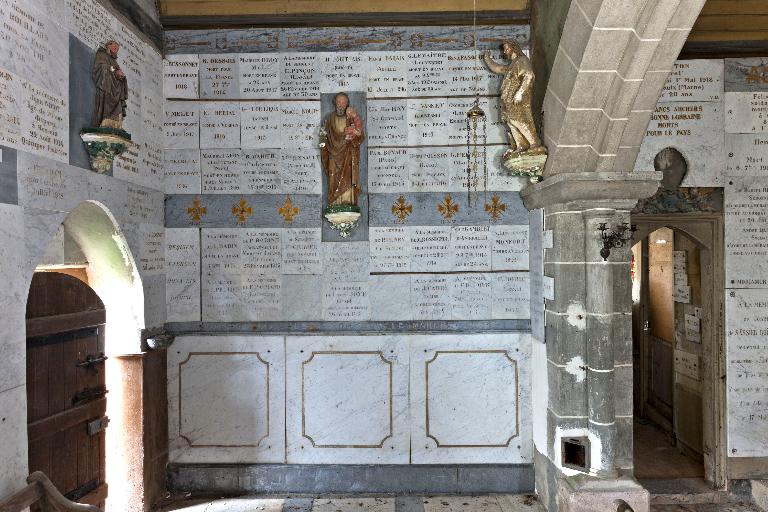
(103, 145)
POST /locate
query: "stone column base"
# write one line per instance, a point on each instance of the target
(585, 494)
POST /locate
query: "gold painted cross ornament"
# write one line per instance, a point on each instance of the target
(242, 211)
(287, 211)
(495, 208)
(401, 209)
(448, 207)
(196, 211)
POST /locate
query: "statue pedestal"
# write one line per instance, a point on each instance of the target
(343, 218)
(103, 145)
(528, 163)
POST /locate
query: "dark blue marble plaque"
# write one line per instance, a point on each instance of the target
(9, 192)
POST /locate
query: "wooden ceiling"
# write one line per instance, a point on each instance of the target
(196, 13)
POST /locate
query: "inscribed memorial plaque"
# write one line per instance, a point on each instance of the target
(747, 335)
(471, 296)
(300, 122)
(300, 76)
(181, 125)
(427, 73)
(471, 247)
(182, 283)
(388, 170)
(746, 154)
(219, 125)
(346, 261)
(511, 296)
(694, 80)
(260, 171)
(390, 249)
(181, 75)
(342, 71)
(427, 121)
(182, 171)
(746, 112)
(302, 251)
(10, 109)
(431, 297)
(260, 298)
(431, 249)
(221, 171)
(221, 251)
(509, 246)
(260, 124)
(746, 233)
(261, 251)
(346, 302)
(300, 171)
(387, 74)
(219, 76)
(430, 169)
(387, 123)
(259, 75)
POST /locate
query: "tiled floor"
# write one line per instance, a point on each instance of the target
(498, 503)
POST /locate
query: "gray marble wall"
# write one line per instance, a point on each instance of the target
(46, 51)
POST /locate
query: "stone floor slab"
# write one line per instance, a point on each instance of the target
(354, 505)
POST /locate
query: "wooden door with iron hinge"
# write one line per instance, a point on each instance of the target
(66, 387)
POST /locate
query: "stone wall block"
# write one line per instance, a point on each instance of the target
(580, 127)
(570, 294)
(607, 436)
(622, 97)
(599, 298)
(566, 343)
(626, 156)
(635, 131)
(655, 17)
(605, 50)
(567, 390)
(576, 35)
(649, 93)
(668, 49)
(602, 407)
(621, 13)
(566, 159)
(590, 8)
(567, 237)
(599, 353)
(621, 333)
(591, 90)
(558, 425)
(566, 74)
(612, 133)
(622, 287)
(686, 14)
(639, 54)
(624, 438)
(623, 390)
(554, 116)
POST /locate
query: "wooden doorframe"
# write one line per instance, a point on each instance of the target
(707, 231)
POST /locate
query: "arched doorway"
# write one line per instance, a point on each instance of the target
(89, 245)
(678, 331)
(66, 386)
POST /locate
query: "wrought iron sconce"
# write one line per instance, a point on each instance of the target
(613, 239)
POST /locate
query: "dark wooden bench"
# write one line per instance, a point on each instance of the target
(42, 495)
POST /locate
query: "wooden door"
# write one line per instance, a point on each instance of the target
(66, 389)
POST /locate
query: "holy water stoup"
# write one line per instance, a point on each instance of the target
(105, 138)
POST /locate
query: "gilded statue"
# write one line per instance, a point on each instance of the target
(341, 136)
(526, 155)
(111, 88)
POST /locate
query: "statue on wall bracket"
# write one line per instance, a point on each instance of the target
(526, 155)
(340, 139)
(105, 138)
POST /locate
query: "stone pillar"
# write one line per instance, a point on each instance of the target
(588, 340)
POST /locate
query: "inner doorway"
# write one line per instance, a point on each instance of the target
(677, 331)
(66, 386)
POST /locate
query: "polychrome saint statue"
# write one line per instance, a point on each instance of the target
(526, 155)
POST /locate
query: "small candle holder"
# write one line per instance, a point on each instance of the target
(615, 238)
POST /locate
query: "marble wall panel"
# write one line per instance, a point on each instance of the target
(90, 22)
(261, 172)
(260, 124)
(345, 71)
(746, 154)
(302, 297)
(300, 172)
(390, 297)
(493, 131)
(471, 296)
(746, 328)
(10, 108)
(230, 297)
(390, 249)
(431, 297)
(431, 249)
(387, 123)
(219, 76)
(13, 450)
(9, 192)
(694, 80)
(346, 301)
(151, 255)
(388, 170)
(48, 184)
(302, 251)
(210, 419)
(470, 399)
(511, 296)
(746, 241)
(696, 130)
(387, 74)
(427, 74)
(300, 76)
(347, 400)
(509, 246)
(471, 247)
(181, 76)
(428, 121)
(219, 125)
(182, 171)
(181, 125)
(746, 112)
(259, 76)
(346, 261)
(182, 285)
(300, 124)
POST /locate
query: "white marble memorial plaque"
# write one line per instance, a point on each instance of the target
(431, 297)
(694, 80)
(746, 112)
(429, 169)
(471, 296)
(427, 73)
(343, 71)
(300, 76)
(221, 170)
(181, 125)
(10, 109)
(182, 171)
(681, 293)
(346, 302)
(261, 251)
(746, 233)
(687, 364)
(300, 171)
(427, 121)
(390, 249)
(221, 251)
(388, 170)
(509, 245)
(387, 123)
(300, 123)
(182, 283)
(151, 250)
(746, 154)
(260, 298)
(511, 296)
(302, 251)
(219, 125)
(387, 74)
(261, 171)
(747, 354)
(471, 247)
(346, 261)
(696, 130)
(259, 75)
(219, 76)
(260, 124)
(181, 74)
(431, 249)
